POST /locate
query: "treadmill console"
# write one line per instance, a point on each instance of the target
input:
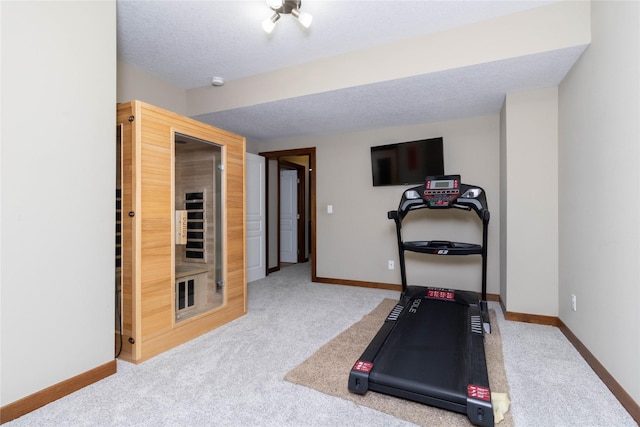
(441, 191)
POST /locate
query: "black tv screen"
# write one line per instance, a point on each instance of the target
(406, 163)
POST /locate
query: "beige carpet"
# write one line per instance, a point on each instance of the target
(327, 370)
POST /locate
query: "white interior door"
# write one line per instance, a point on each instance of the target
(256, 218)
(288, 216)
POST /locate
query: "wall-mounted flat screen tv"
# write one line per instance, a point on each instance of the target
(406, 163)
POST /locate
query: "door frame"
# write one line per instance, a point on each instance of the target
(275, 155)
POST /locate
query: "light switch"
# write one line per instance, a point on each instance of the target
(329, 209)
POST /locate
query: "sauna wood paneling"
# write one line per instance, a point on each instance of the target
(148, 254)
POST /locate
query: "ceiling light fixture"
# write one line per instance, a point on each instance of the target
(285, 7)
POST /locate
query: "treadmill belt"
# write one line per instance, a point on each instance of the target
(426, 352)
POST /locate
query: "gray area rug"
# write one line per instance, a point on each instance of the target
(327, 371)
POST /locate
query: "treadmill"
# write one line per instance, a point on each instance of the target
(430, 348)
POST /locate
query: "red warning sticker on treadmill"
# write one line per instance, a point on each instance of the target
(363, 366)
(478, 392)
(440, 294)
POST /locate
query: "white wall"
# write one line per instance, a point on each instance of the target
(58, 192)
(529, 191)
(503, 207)
(599, 183)
(357, 240)
(134, 83)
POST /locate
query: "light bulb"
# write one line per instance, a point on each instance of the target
(270, 23)
(304, 18)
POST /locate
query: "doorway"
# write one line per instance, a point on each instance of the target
(303, 160)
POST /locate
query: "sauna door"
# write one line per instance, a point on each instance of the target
(198, 244)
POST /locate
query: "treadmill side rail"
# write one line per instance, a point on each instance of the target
(359, 375)
(480, 412)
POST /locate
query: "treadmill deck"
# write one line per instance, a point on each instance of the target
(427, 347)
(432, 352)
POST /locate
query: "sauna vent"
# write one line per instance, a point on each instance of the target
(118, 228)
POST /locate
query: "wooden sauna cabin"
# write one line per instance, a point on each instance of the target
(180, 234)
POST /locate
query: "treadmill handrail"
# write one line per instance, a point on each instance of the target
(472, 197)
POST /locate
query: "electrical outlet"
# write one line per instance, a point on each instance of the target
(391, 264)
(573, 302)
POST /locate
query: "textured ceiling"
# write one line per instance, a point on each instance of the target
(187, 43)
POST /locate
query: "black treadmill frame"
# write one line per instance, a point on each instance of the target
(373, 371)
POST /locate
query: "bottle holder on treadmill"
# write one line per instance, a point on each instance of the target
(442, 247)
